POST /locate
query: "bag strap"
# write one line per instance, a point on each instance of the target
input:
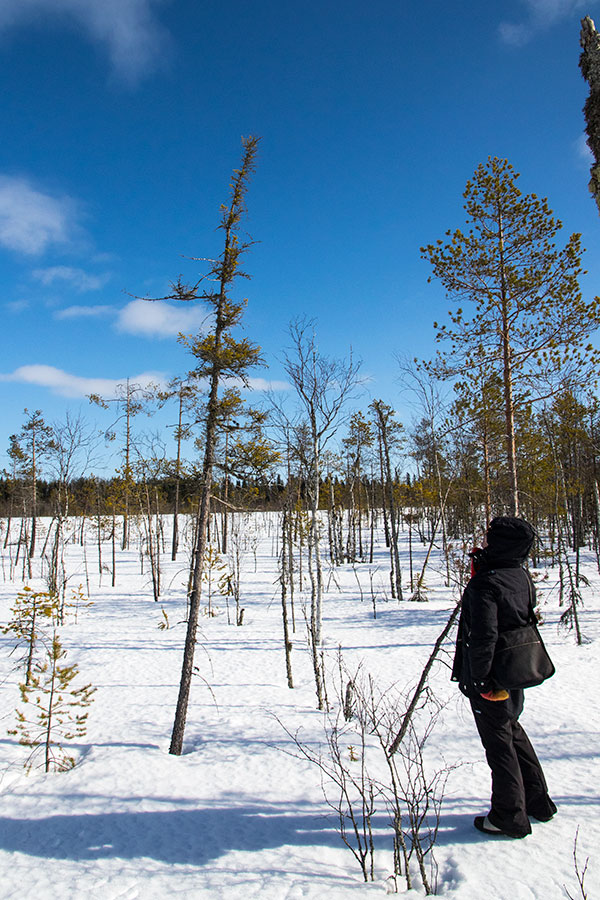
(532, 598)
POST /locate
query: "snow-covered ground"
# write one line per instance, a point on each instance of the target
(239, 814)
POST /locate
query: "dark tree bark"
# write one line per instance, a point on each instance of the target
(220, 357)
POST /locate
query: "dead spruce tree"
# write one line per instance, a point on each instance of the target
(220, 357)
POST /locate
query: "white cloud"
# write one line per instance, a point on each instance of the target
(541, 14)
(515, 35)
(84, 312)
(144, 318)
(263, 384)
(77, 278)
(66, 385)
(159, 319)
(582, 149)
(17, 306)
(31, 221)
(128, 28)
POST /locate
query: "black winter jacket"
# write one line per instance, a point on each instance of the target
(495, 600)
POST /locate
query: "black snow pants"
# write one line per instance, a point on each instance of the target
(519, 788)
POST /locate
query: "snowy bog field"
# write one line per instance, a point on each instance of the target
(241, 814)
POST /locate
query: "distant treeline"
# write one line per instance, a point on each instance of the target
(91, 496)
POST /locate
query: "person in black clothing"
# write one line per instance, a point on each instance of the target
(497, 599)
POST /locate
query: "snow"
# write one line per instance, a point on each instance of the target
(241, 814)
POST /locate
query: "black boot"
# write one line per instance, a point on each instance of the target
(482, 823)
(542, 811)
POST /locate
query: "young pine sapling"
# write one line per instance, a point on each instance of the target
(55, 710)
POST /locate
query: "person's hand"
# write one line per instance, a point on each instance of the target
(495, 696)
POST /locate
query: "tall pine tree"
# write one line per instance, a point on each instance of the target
(530, 324)
(589, 63)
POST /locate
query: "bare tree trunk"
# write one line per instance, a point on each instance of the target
(175, 537)
(597, 509)
(125, 541)
(114, 550)
(285, 535)
(396, 572)
(99, 527)
(314, 633)
(486, 477)
(509, 406)
(316, 571)
(33, 497)
(176, 746)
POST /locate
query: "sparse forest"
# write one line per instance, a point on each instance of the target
(294, 517)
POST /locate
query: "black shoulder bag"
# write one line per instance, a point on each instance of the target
(520, 658)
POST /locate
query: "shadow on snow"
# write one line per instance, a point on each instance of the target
(176, 837)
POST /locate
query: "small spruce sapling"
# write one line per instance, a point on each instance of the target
(78, 601)
(214, 573)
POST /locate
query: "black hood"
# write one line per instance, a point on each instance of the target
(509, 538)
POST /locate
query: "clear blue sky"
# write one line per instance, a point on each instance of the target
(121, 123)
